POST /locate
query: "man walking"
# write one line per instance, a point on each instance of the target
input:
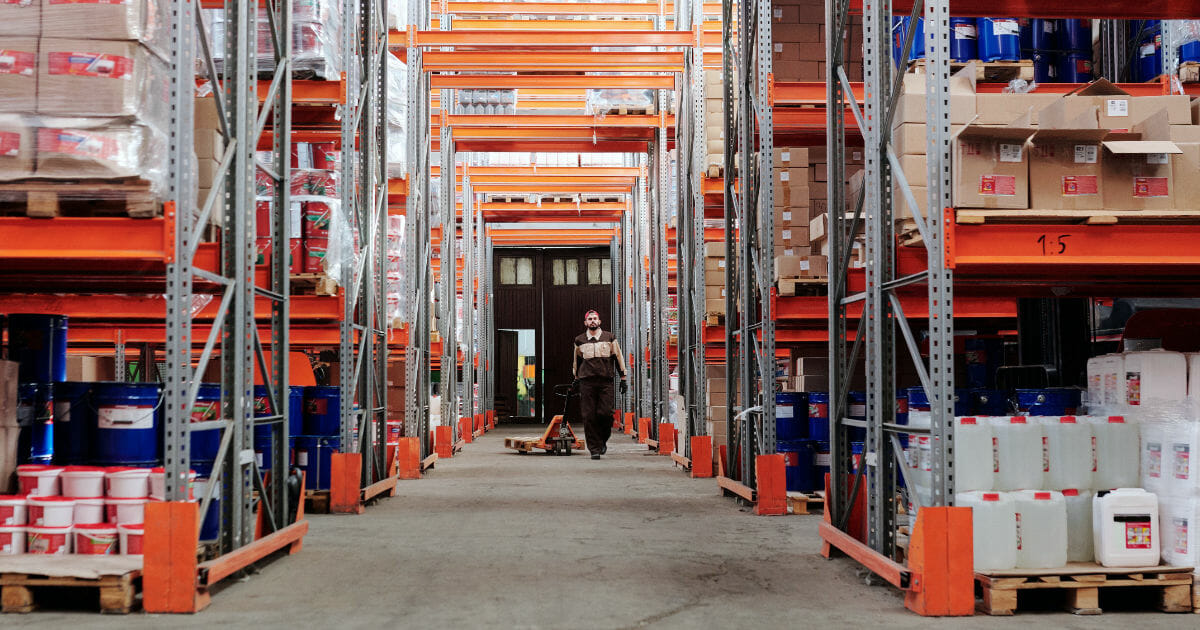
(598, 358)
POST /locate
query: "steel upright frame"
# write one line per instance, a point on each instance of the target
(363, 348)
(749, 233)
(883, 316)
(241, 121)
(418, 255)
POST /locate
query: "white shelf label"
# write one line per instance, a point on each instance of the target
(1086, 153)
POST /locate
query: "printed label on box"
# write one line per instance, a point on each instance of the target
(1180, 528)
(18, 62)
(787, 216)
(77, 142)
(998, 185)
(1086, 153)
(1137, 535)
(972, 148)
(1181, 467)
(1010, 153)
(10, 144)
(786, 156)
(784, 176)
(1154, 460)
(91, 65)
(1157, 158)
(804, 265)
(785, 235)
(1149, 187)
(1117, 106)
(1079, 185)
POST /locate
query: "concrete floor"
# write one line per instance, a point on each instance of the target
(495, 539)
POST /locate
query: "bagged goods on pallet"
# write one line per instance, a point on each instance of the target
(82, 148)
(316, 40)
(612, 101)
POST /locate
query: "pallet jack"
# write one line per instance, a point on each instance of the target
(558, 438)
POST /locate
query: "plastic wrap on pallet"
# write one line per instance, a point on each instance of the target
(81, 77)
(397, 151)
(396, 303)
(397, 14)
(146, 21)
(82, 148)
(608, 101)
(397, 91)
(316, 40)
(1185, 31)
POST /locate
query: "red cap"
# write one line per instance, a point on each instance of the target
(968, 420)
(1017, 420)
(1116, 419)
(991, 496)
(1070, 493)
(1041, 496)
(1067, 419)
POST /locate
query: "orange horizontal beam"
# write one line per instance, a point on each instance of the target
(561, 37)
(816, 308)
(599, 9)
(466, 24)
(517, 206)
(551, 146)
(555, 216)
(105, 334)
(549, 61)
(547, 188)
(502, 81)
(651, 121)
(807, 92)
(109, 307)
(311, 92)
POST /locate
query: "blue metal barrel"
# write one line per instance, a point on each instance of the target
(791, 416)
(128, 424)
(999, 39)
(39, 344)
(74, 421)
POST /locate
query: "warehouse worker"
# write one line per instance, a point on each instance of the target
(597, 356)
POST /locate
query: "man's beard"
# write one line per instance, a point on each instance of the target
(593, 326)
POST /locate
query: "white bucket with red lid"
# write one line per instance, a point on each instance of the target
(125, 511)
(90, 511)
(128, 483)
(131, 538)
(55, 541)
(51, 511)
(158, 484)
(38, 480)
(12, 541)
(96, 539)
(12, 510)
(82, 481)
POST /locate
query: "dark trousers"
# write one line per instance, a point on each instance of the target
(596, 407)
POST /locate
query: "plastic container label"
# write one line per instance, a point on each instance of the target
(1182, 463)
(1137, 534)
(965, 31)
(1179, 527)
(126, 417)
(1005, 27)
(1133, 388)
(822, 460)
(302, 458)
(1154, 460)
(785, 411)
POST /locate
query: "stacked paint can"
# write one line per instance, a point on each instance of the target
(321, 436)
(1040, 43)
(205, 444)
(999, 39)
(900, 26)
(264, 434)
(793, 440)
(38, 343)
(1075, 40)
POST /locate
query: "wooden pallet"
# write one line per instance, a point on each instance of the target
(507, 199)
(989, 71)
(316, 501)
(313, 284)
(600, 198)
(1080, 585)
(789, 287)
(44, 198)
(1189, 72)
(525, 445)
(626, 110)
(714, 319)
(30, 582)
(557, 199)
(1089, 217)
(802, 503)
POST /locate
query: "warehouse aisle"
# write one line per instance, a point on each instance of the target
(494, 539)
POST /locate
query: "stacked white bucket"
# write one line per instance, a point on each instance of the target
(1164, 388)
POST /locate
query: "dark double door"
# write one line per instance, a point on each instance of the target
(546, 291)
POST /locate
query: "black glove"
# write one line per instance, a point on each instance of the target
(624, 386)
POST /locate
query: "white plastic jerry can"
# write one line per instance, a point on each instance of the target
(1152, 375)
(1019, 456)
(1068, 454)
(1116, 447)
(1041, 529)
(1080, 547)
(993, 527)
(1125, 528)
(975, 454)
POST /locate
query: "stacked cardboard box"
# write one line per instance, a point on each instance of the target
(714, 120)
(792, 198)
(82, 95)
(1097, 149)
(799, 38)
(395, 390)
(717, 418)
(714, 279)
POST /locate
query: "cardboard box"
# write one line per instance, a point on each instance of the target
(714, 371)
(811, 383)
(714, 307)
(789, 235)
(793, 249)
(790, 157)
(714, 264)
(91, 369)
(714, 292)
(717, 414)
(916, 169)
(909, 138)
(101, 151)
(812, 366)
(1184, 168)
(714, 249)
(991, 167)
(131, 20)
(8, 393)
(715, 398)
(714, 278)
(1066, 169)
(209, 143)
(1114, 108)
(790, 216)
(18, 73)
(791, 195)
(814, 266)
(910, 107)
(119, 79)
(21, 19)
(790, 176)
(16, 147)
(1138, 174)
(1003, 109)
(716, 384)
(787, 267)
